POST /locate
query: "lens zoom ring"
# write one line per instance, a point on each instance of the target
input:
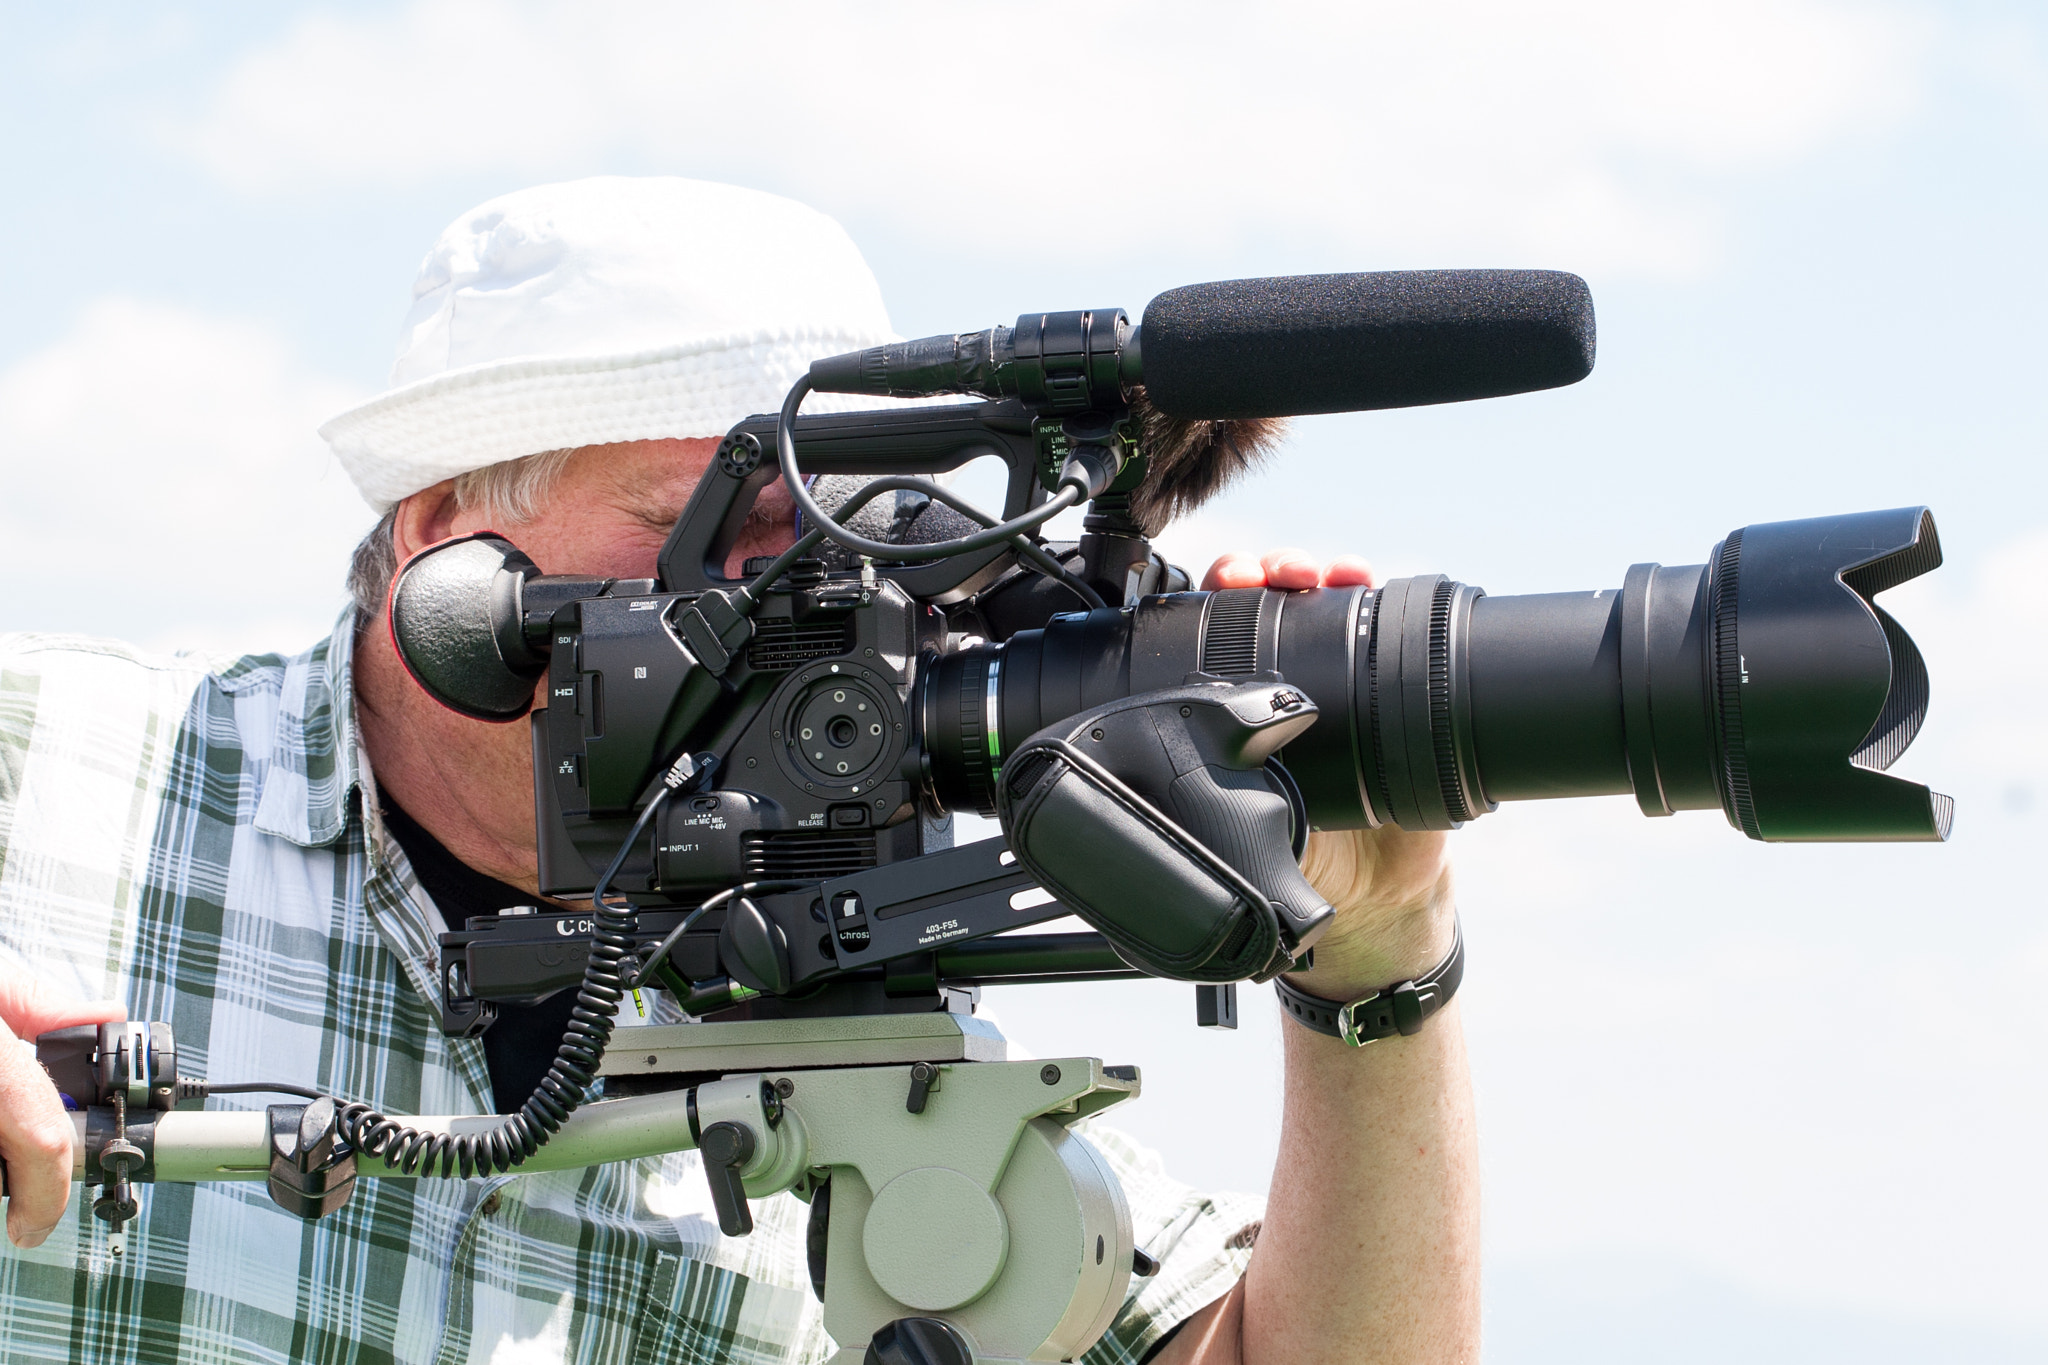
(1230, 635)
(1441, 739)
(1728, 690)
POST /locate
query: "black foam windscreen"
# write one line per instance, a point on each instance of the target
(1303, 344)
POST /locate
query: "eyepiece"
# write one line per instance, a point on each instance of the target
(456, 618)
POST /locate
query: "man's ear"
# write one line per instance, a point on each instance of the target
(425, 518)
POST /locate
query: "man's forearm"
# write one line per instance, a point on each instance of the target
(1370, 1249)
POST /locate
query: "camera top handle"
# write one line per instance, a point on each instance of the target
(920, 441)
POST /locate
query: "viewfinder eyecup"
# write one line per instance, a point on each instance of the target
(456, 620)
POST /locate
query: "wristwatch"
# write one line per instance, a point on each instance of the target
(1401, 1009)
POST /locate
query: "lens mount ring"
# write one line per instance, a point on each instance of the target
(970, 704)
(992, 721)
(922, 722)
(959, 727)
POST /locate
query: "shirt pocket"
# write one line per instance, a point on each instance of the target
(550, 1268)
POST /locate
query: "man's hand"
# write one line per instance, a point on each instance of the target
(36, 1135)
(1391, 888)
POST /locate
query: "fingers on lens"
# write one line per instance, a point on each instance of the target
(1234, 570)
(1291, 567)
(1349, 571)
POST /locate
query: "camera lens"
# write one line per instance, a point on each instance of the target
(1766, 683)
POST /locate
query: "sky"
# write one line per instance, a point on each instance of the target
(1781, 1102)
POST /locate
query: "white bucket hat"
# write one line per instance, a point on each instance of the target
(610, 309)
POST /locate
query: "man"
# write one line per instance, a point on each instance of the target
(262, 855)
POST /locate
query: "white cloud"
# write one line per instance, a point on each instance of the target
(164, 483)
(1591, 132)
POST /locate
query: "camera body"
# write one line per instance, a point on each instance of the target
(816, 736)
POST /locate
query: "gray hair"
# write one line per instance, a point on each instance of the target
(511, 492)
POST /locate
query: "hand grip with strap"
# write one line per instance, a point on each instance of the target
(1154, 818)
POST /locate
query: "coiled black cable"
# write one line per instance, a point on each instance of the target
(562, 1091)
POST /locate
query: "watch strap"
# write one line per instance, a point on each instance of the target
(1401, 1009)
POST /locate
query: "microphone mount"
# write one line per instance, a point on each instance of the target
(1072, 362)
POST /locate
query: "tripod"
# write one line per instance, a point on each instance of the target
(956, 1218)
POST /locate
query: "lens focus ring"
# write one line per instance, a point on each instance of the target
(1426, 775)
(1440, 683)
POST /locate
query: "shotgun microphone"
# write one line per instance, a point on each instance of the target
(1278, 347)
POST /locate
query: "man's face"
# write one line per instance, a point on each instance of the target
(613, 506)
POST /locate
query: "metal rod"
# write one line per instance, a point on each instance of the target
(228, 1145)
(1046, 979)
(1019, 958)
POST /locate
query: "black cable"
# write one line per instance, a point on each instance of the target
(1034, 554)
(792, 478)
(567, 1084)
(1039, 557)
(633, 980)
(263, 1088)
(697, 771)
(1048, 564)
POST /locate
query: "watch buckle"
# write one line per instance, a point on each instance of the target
(1398, 1009)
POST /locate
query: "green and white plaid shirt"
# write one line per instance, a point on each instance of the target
(203, 845)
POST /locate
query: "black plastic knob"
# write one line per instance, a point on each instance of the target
(918, 1341)
(726, 1149)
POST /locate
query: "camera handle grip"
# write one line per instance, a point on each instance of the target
(1154, 818)
(1237, 813)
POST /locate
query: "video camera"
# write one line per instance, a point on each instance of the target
(752, 778)
(1131, 734)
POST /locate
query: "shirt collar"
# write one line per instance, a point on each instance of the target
(315, 768)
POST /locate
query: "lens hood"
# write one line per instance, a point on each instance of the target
(1816, 689)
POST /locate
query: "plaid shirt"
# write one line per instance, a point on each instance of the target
(203, 845)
